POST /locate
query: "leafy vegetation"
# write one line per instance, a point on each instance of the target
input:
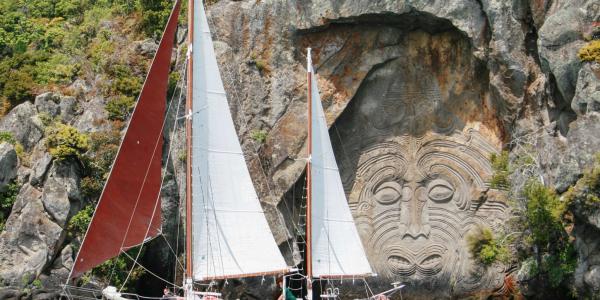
(7, 199)
(260, 136)
(546, 243)
(80, 221)
(586, 193)
(48, 43)
(119, 108)
(500, 169)
(8, 137)
(539, 229)
(590, 52)
(485, 248)
(64, 141)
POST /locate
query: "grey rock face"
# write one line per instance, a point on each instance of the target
(48, 103)
(583, 142)
(146, 47)
(23, 123)
(94, 117)
(60, 189)
(42, 160)
(560, 39)
(587, 93)
(8, 164)
(30, 238)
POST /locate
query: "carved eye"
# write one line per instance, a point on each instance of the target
(388, 192)
(440, 191)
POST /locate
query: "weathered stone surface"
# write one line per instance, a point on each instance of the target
(94, 117)
(583, 142)
(29, 240)
(23, 123)
(8, 164)
(48, 103)
(146, 47)
(587, 243)
(69, 108)
(587, 93)
(60, 189)
(41, 163)
(420, 93)
(559, 40)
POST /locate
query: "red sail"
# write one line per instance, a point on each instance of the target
(128, 211)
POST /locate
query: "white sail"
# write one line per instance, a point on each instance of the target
(231, 237)
(337, 250)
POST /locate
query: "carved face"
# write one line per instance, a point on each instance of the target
(415, 199)
(416, 177)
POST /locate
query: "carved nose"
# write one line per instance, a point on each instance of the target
(412, 223)
(415, 230)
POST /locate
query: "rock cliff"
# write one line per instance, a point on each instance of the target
(418, 94)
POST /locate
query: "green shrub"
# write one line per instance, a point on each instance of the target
(485, 248)
(81, 220)
(7, 137)
(124, 81)
(7, 199)
(546, 222)
(544, 213)
(500, 170)
(64, 141)
(58, 69)
(117, 269)
(586, 192)
(18, 87)
(91, 187)
(173, 80)
(37, 283)
(260, 136)
(263, 66)
(590, 52)
(155, 14)
(119, 108)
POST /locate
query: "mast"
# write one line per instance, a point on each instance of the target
(188, 129)
(309, 181)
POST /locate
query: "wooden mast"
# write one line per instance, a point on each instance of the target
(309, 182)
(188, 126)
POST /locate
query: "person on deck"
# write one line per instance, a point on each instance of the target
(286, 293)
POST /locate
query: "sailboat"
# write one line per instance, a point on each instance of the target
(334, 250)
(333, 247)
(227, 235)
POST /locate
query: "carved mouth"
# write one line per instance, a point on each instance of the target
(426, 261)
(400, 265)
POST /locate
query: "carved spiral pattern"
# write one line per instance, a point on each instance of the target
(414, 201)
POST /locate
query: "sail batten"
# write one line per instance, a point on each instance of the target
(337, 250)
(128, 212)
(231, 237)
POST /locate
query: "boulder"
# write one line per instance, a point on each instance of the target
(94, 117)
(41, 160)
(30, 239)
(8, 164)
(61, 188)
(587, 92)
(146, 47)
(48, 103)
(24, 125)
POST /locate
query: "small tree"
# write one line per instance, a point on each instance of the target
(65, 141)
